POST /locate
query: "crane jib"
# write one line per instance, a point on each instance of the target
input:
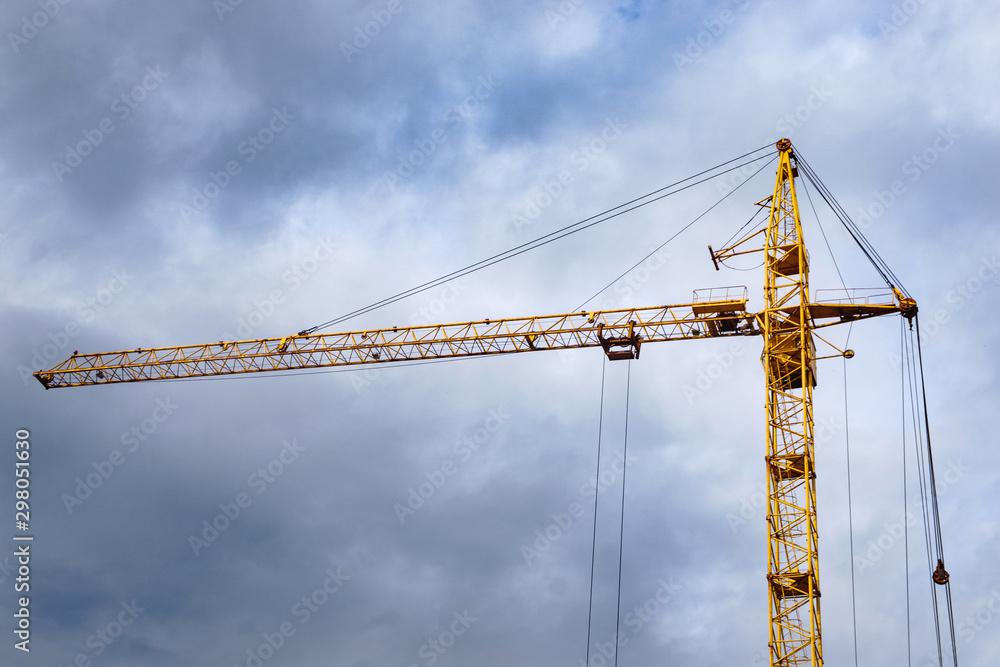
(618, 332)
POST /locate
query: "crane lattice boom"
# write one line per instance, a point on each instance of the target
(619, 332)
(714, 313)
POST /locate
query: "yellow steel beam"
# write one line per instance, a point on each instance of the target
(793, 558)
(619, 332)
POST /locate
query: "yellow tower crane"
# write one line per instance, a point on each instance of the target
(789, 358)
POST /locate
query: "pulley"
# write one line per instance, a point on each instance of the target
(940, 575)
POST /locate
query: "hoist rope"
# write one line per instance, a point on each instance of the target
(621, 528)
(850, 517)
(906, 518)
(621, 525)
(918, 443)
(933, 540)
(939, 540)
(939, 543)
(563, 232)
(597, 489)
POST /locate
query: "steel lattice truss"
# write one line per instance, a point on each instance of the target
(620, 332)
(789, 352)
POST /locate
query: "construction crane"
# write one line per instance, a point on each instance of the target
(787, 324)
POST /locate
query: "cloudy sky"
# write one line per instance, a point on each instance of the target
(191, 171)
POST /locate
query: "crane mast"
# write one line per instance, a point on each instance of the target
(786, 324)
(793, 558)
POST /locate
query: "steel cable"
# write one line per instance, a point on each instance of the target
(563, 232)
